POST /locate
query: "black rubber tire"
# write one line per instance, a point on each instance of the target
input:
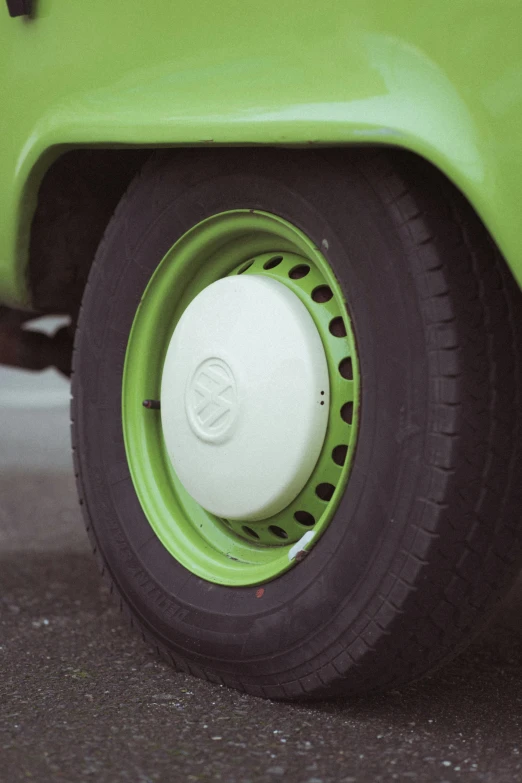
(428, 532)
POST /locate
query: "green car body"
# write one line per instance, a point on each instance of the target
(442, 79)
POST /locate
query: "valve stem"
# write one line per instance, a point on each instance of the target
(152, 404)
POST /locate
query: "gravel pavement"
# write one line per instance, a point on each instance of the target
(83, 699)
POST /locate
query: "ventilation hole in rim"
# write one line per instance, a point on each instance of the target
(337, 327)
(322, 293)
(346, 369)
(249, 531)
(347, 412)
(299, 271)
(275, 261)
(304, 518)
(245, 267)
(278, 531)
(325, 491)
(225, 521)
(339, 455)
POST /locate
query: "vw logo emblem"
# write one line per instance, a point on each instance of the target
(211, 400)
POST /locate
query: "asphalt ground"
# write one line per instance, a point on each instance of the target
(82, 698)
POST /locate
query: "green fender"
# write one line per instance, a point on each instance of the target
(441, 78)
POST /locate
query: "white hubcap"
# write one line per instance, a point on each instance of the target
(245, 397)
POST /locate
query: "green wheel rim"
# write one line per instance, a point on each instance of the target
(220, 551)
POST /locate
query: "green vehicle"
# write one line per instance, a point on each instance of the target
(288, 240)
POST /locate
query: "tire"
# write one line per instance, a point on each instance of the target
(426, 536)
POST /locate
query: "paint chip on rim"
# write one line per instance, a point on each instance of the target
(299, 546)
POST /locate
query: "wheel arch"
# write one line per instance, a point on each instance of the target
(73, 198)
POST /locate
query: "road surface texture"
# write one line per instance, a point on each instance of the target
(82, 698)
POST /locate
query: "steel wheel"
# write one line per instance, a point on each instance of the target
(295, 313)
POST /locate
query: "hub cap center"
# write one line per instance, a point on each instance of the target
(211, 402)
